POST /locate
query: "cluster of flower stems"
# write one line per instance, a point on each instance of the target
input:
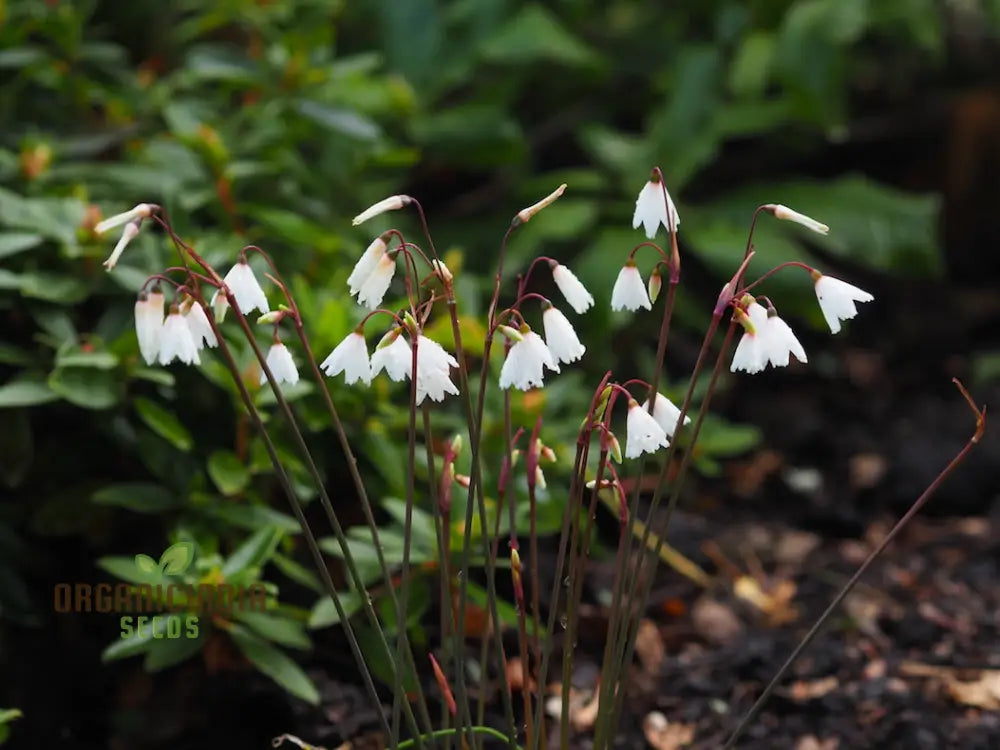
(194, 322)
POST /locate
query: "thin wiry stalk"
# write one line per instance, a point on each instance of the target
(338, 530)
(296, 506)
(919, 503)
(404, 586)
(652, 556)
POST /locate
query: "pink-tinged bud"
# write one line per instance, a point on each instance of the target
(540, 478)
(613, 447)
(547, 453)
(442, 271)
(445, 688)
(456, 445)
(463, 480)
(605, 483)
(654, 284)
(271, 317)
(392, 203)
(525, 214)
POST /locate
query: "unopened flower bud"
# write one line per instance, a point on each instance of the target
(463, 480)
(389, 337)
(512, 334)
(614, 447)
(142, 211)
(270, 317)
(540, 478)
(442, 270)
(655, 284)
(456, 445)
(605, 483)
(786, 214)
(526, 213)
(546, 452)
(128, 234)
(392, 203)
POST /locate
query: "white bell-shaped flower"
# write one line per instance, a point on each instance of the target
(572, 289)
(375, 286)
(433, 371)
(350, 357)
(629, 292)
(149, 323)
(366, 264)
(392, 203)
(665, 413)
(280, 363)
(751, 353)
(243, 284)
(560, 337)
(526, 361)
(643, 434)
(780, 341)
(176, 340)
(394, 357)
(198, 324)
(836, 300)
(651, 209)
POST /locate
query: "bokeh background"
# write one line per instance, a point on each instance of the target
(274, 122)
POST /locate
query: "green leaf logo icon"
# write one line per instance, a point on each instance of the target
(145, 564)
(177, 558)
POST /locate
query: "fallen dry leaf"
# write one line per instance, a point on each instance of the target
(649, 647)
(715, 622)
(662, 735)
(812, 742)
(982, 693)
(583, 706)
(776, 603)
(803, 690)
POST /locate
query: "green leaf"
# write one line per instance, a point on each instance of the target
(324, 612)
(12, 243)
(177, 557)
(751, 67)
(252, 517)
(164, 423)
(77, 357)
(274, 664)
(339, 120)
(140, 497)
(228, 472)
(254, 552)
(275, 628)
(167, 652)
(86, 387)
(535, 35)
(141, 640)
(25, 392)
(53, 287)
(296, 572)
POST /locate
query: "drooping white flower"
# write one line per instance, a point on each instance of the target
(350, 357)
(572, 289)
(149, 323)
(366, 264)
(201, 329)
(243, 284)
(280, 363)
(779, 341)
(643, 434)
(651, 209)
(665, 413)
(629, 292)
(129, 233)
(176, 340)
(751, 353)
(374, 287)
(394, 357)
(141, 211)
(786, 214)
(837, 298)
(392, 203)
(433, 371)
(560, 337)
(526, 361)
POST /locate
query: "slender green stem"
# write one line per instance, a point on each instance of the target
(862, 569)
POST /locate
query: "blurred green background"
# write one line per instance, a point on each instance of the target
(274, 122)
